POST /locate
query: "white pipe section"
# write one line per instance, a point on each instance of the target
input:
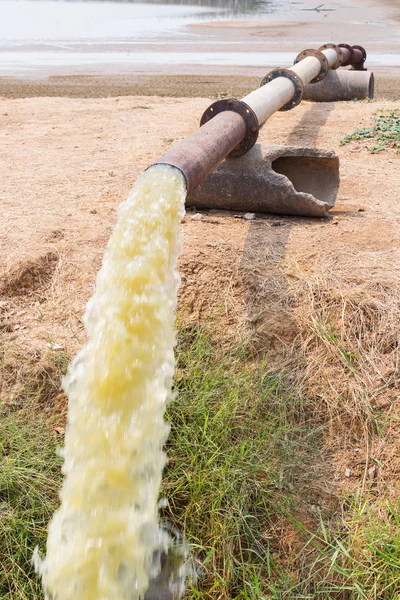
(273, 95)
(307, 69)
(331, 56)
(270, 97)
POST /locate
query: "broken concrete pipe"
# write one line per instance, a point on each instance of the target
(272, 179)
(340, 86)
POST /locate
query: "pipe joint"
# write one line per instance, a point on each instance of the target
(360, 56)
(322, 59)
(348, 54)
(354, 56)
(248, 115)
(297, 84)
(339, 53)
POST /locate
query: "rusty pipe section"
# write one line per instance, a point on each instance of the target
(201, 152)
(230, 127)
(353, 56)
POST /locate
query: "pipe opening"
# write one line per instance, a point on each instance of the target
(371, 86)
(311, 175)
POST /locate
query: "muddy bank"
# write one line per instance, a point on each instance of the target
(175, 86)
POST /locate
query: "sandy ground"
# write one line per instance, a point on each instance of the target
(66, 164)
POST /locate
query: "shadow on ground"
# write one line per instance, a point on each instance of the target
(307, 130)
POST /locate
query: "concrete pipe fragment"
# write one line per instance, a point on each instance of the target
(341, 85)
(272, 179)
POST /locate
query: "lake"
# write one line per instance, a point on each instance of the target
(90, 36)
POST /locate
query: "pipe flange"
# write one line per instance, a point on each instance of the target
(322, 59)
(249, 116)
(350, 60)
(297, 84)
(360, 66)
(338, 51)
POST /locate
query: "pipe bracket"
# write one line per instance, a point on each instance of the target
(322, 59)
(339, 53)
(249, 117)
(297, 84)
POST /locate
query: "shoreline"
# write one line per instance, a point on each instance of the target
(233, 56)
(211, 85)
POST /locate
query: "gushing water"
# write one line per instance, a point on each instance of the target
(102, 541)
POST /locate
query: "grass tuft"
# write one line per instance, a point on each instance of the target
(29, 483)
(236, 450)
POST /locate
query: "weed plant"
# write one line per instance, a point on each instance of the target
(385, 132)
(238, 447)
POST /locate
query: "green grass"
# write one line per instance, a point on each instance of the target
(384, 133)
(238, 447)
(357, 557)
(29, 482)
(240, 479)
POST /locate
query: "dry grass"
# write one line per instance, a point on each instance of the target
(347, 365)
(349, 332)
(33, 304)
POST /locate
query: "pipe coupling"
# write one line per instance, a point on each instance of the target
(354, 56)
(322, 59)
(248, 115)
(339, 54)
(360, 56)
(297, 84)
(348, 57)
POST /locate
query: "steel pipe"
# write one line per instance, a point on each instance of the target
(201, 152)
(270, 97)
(341, 85)
(354, 56)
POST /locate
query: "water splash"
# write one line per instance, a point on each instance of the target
(105, 542)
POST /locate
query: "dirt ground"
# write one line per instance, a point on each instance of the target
(66, 164)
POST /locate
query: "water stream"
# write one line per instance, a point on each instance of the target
(104, 538)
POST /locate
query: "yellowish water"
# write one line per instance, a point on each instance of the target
(102, 539)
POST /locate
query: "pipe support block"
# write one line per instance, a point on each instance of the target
(322, 59)
(273, 179)
(297, 84)
(248, 115)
